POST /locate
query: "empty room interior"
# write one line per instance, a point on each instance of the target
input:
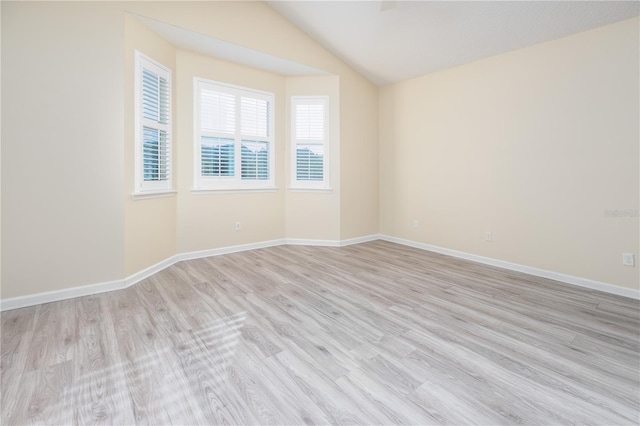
(320, 212)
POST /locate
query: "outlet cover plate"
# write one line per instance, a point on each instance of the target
(628, 259)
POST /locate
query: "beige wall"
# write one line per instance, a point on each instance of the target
(62, 146)
(68, 211)
(359, 212)
(520, 144)
(251, 24)
(273, 34)
(149, 224)
(533, 145)
(207, 221)
(0, 157)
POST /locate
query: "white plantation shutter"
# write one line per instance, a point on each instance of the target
(234, 138)
(254, 118)
(309, 162)
(310, 121)
(255, 160)
(155, 161)
(310, 141)
(217, 156)
(150, 95)
(217, 111)
(153, 121)
(254, 121)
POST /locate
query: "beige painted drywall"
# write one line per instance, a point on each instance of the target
(69, 210)
(533, 145)
(544, 175)
(0, 159)
(62, 145)
(344, 216)
(359, 212)
(251, 24)
(271, 33)
(149, 224)
(207, 221)
(315, 214)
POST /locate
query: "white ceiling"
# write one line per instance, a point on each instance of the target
(389, 41)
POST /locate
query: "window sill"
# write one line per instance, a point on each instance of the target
(155, 194)
(321, 190)
(196, 191)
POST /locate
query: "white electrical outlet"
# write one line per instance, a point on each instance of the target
(628, 259)
(238, 226)
(416, 224)
(488, 236)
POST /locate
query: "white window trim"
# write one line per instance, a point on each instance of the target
(231, 191)
(155, 194)
(311, 186)
(318, 190)
(215, 184)
(150, 189)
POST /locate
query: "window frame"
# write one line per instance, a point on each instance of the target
(310, 185)
(144, 187)
(235, 182)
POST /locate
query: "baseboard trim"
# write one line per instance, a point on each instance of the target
(332, 243)
(57, 295)
(360, 240)
(304, 242)
(87, 290)
(226, 250)
(543, 273)
(147, 272)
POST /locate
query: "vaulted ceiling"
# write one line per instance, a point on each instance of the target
(391, 41)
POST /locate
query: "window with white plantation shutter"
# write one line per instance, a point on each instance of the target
(234, 137)
(310, 142)
(153, 126)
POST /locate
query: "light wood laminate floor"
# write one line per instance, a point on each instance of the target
(374, 333)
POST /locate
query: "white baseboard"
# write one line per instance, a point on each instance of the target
(147, 272)
(54, 296)
(568, 279)
(331, 243)
(304, 242)
(87, 290)
(360, 240)
(226, 250)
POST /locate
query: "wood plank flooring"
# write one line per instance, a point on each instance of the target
(375, 333)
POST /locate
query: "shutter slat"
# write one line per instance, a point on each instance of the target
(254, 117)
(309, 162)
(155, 155)
(217, 111)
(217, 156)
(150, 95)
(309, 121)
(255, 160)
